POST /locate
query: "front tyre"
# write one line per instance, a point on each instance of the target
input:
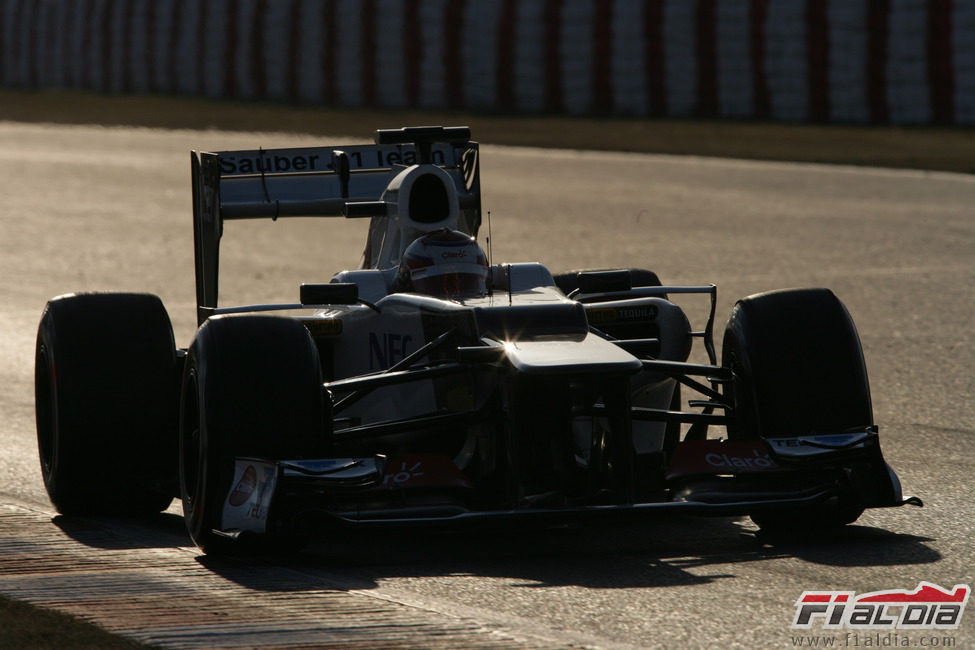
(798, 370)
(798, 366)
(105, 394)
(252, 386)
(810, 520)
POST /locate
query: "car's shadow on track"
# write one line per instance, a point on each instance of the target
(671, 553)
(660, 554)
(116, 533)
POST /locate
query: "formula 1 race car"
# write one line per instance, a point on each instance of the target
(432, 387)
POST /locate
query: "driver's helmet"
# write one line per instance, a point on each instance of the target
(444, 263)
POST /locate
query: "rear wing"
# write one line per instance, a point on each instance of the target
(376, 181)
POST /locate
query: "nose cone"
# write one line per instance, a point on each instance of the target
(570, 355)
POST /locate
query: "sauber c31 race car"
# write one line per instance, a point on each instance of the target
(431, 387)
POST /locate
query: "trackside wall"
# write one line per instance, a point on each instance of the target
(865, 61)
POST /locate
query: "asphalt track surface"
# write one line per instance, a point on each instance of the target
(89, 208)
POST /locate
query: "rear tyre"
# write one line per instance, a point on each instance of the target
(105, 393)
(798, 369)
(252, 386)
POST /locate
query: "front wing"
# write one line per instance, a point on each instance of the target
(705, 477)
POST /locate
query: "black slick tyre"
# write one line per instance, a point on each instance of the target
(798, 366)
(252, 386)
(105, 388)
(798, 369)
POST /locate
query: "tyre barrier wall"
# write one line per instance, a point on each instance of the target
(879, 61)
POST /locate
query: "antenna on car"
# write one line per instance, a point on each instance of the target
(490, 252)
(508, 269)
